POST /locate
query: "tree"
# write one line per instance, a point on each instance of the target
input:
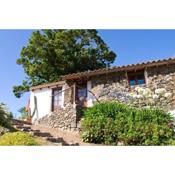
(52, 53)
(23, 113)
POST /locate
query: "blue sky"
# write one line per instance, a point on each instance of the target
(131, 46)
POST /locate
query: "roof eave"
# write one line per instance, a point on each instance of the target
(118, 69)
(48, 85)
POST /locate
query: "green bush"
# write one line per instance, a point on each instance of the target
(112, 122)
(5, 117)
(107, 109)
(17, 139)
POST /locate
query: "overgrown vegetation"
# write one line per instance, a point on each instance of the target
(53, 53)
(7, 135)
(23, 113)
(112, 123)
(5, 116)
(17, 139)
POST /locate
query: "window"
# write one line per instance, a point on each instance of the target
(81, 93)
(56, 99)
(136, 78)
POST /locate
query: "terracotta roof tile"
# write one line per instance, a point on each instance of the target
(47, 85)
(118, 68)
(105, 70)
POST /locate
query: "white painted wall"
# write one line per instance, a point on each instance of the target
(90, 97)
(63, 89)
(44, 100)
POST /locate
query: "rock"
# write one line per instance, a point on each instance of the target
(159, 92)
(64, 119)
(3, 130)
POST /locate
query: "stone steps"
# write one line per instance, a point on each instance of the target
(45, 135)
(26, 129)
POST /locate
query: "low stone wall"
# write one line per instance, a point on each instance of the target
(64, 119)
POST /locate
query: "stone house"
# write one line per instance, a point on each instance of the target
(144, 84)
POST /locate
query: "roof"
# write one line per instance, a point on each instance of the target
(47, 85)
(119, 68)
(105, 70)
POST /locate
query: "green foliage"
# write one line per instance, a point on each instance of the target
(19, 90)
(52, 53)
(23, 113)
(5, 116)
(93, 130)
(171, 142)
(112, 123)
(107, 109)
(98, 122)
(17, 139)
(3, 130)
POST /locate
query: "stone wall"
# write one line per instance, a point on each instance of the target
(113, 86)
(64, 118)
(159, 91)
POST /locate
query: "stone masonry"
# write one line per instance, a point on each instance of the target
(159, 91)
(64, 118)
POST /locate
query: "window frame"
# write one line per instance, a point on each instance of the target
(81, 87)
(53, 107)
(134, 75)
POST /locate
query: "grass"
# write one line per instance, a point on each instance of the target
(18, 139)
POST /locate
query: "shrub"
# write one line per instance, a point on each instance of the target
(112, 122)
(17, 139)
(107, 109)
(5, 117)
(3, 130)
(145, 127)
